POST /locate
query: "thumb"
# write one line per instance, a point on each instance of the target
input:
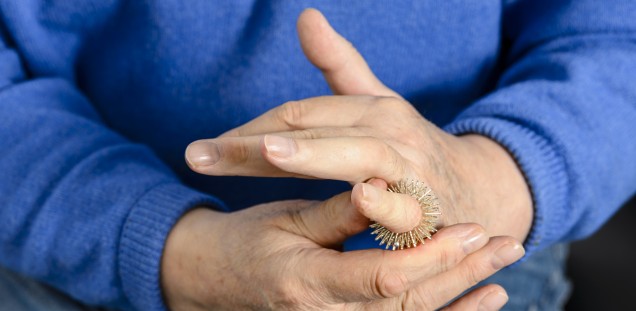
(328, 223)
(346, 72)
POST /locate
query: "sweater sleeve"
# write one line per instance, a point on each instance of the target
(81, 208)
(565, 108)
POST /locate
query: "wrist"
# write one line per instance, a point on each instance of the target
(498, 196)
(186, 251)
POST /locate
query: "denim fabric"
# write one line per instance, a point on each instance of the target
(18, 293)
(538, 284)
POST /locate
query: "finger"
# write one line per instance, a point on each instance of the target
(376, 274)
(331, 222)
(395, 211)
(231, 157)
(328, 223)
(499, 252)
(241, 156)
(352, 159)
(324, 111)
(344, 68)
(488, 297)
(491, 297)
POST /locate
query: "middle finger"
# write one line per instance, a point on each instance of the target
(308, 154)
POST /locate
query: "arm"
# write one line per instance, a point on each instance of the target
(354, 138)
(565, 109)
(546, 127)
(283, 255)
(83, 209)
(89, 212)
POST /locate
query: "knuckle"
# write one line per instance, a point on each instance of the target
(332, 216)
(473, 274)
(237, 152)
(298, 222)
(391, 163)
(447, 259)
(379, 148)
(394, 165)
(333, 211)
(305, 134)
(388, 283)
(420, 299)
(291, 113)
(472, 277)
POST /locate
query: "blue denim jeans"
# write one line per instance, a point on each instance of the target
(536, 284)
(18, 293)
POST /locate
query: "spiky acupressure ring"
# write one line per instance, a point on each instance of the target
(430, 214)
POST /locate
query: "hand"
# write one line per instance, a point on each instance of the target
(354, 138)
(281, 256)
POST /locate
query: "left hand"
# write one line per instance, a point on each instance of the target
(378, 135)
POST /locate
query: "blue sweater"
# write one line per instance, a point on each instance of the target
(98, 100)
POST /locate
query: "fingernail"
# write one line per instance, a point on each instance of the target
(202, 153)
(281, 147)
(493, 301)
(474, 240)
(507, 254)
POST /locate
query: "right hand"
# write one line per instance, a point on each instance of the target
(283, 256)
(353, 137)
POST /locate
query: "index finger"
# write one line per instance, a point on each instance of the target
(324, 111)
(376, 274)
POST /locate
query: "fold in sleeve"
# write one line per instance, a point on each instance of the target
(565, 108)
(81, 208)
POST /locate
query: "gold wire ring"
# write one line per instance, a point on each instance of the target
(430, 214)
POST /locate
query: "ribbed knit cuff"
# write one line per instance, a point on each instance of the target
(542, 166)
(144, 236)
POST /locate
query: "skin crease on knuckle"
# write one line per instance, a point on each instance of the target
(419, 299)
(306, 134)
(236, 152)
(296, 218)
(394, 166)
(473, 274)
(448, 257)
(291, 114)
(333, 213)
(388, 283)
